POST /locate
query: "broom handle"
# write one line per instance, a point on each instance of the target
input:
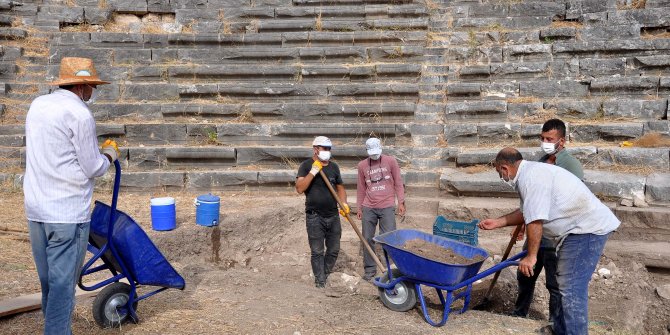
(512, 241)
(358, 232)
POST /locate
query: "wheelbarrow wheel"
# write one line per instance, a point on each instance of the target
(109, 306)
(401, 298)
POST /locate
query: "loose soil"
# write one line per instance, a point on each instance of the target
(437, 253)
(251, 275)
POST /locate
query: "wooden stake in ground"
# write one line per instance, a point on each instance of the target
(358, 232)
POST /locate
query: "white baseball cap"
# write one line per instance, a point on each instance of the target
(322, 141)
(374, 146)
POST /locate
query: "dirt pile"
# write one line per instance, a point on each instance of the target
(437, 253)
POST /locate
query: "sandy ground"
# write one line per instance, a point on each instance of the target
(251, 275)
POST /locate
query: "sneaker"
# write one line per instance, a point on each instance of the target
(369, 277)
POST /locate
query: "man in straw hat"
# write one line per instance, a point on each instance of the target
(62, 160)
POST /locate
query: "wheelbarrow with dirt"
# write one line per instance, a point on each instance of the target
(400, 287)
(128, 253)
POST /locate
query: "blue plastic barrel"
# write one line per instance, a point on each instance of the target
(207, 210)
(163, 214)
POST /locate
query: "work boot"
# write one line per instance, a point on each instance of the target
(546, 330)
(320, 285)
(369, 277)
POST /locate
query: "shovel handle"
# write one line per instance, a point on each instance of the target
(512, 241)
(358, 231)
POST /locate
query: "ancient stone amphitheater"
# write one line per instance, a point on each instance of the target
(211, 95)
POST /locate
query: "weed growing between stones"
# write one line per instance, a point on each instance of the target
(652, 140)
(631, 4)
(290, 163)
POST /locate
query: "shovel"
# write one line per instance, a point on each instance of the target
(486, 303)
(381, 267)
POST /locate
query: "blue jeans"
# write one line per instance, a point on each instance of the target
(577, 259)
(386, 219)
(323, 231)
(58, 250)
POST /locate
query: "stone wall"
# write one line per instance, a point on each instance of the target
(211, 94)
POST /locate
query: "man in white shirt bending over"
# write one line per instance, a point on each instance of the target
(557, 205)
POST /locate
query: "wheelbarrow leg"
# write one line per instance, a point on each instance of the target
(132, 296)
(445, 302)
(466, 299)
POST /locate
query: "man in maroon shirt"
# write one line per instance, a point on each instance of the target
(379, 184)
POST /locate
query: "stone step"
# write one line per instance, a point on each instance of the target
(492, 129)
(9, 33)
(274, 92)
(590, 156)
(613, 47)
(335, 111)
(278, 73)
(299, 134)
(285, 39)
(347, 2)
(652, 253)
(8, 70)
(320, 24)
(347, 12)
(180, 158)
(206, 111)
(605, 184)
(296, 48)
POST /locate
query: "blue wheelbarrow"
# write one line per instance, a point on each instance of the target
(127, 252)
(400, 287)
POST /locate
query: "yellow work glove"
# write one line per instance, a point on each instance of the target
(345, 211)
(316, 167)
(111, 149)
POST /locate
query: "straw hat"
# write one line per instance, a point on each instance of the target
(74, 70)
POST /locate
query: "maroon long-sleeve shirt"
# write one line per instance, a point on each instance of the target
(379, 183)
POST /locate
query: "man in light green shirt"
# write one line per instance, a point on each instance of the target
(553, 145)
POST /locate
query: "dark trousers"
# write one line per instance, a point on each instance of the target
(371, 216)
(546, 258)
(323, 231)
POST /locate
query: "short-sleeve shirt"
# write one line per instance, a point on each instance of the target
(567, 161)
(562, 202)
(317, 194)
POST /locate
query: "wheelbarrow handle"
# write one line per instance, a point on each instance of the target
(512, 261)
(115, 198)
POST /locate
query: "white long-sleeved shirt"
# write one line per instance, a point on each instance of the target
(62, 159)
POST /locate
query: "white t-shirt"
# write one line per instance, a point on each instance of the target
(562, 202)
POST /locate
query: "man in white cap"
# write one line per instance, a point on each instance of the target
(323, 223)
(62, 160)
(379, 185)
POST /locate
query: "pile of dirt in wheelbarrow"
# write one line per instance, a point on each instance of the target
(437, 253)
(252, 275)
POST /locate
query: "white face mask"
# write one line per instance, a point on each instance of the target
(510, 182)
(375, 157)
(549, 148)
(94, 96)
(324, 155)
